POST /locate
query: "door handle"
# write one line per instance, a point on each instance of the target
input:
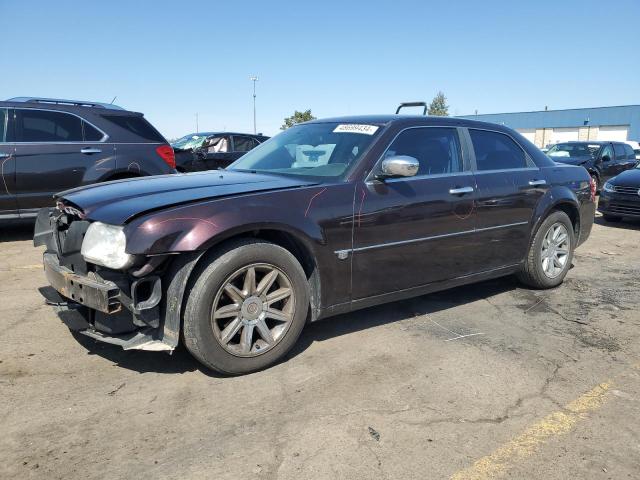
(89, 150)
(460, 190)
(537, 183)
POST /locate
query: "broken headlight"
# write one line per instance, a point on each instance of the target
(105, 245)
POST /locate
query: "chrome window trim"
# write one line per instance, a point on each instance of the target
(527, 157)
(5, 121)
(504, 170)
(425, 239)
(371, 175)
(427, 176)
(104, 138)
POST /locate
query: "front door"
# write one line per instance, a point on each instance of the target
(509, 186)
(8, 204)
(412, 231)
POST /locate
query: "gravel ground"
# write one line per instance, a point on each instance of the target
(485, 381)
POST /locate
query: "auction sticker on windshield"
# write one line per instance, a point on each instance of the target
(356, 128)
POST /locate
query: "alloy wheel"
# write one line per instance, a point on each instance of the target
(253, 310)
(555, 250)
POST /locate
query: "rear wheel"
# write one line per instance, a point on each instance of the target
(247, 307)
(611, 218)
(550, 252)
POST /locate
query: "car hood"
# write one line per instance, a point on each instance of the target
(120, 201)
(628, 178)
(571, 160)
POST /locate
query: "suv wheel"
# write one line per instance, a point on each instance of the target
(247, 307)
(550, 252)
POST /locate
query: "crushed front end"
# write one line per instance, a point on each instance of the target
(125, 307)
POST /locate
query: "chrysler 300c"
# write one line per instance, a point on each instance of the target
(326, 217)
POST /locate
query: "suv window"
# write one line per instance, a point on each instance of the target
(136, 125)
(3, 124)
(607, 151)
(243, 144)
(47, 126)
(620, 152)
(91, 134)
(496, 151)
(437, 149)
(630, 153)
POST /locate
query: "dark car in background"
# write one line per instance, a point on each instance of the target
(212, 150)
(327, 217)
(620, 196)
(602, 159)
(50, 145)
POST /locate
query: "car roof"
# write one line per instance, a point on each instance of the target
(63, 105)
(389, 119)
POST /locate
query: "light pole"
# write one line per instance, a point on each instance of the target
(254, 79)
(197, 127)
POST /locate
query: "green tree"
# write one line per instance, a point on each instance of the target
(297, 117)
(438, 106)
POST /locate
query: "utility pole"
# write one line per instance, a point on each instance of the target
(197, 127)
(254, 79)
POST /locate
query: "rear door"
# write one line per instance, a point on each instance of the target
(625, 159)
(242, 144)
(412, 231)
(509, 186)
(8, 204)
(51, 155)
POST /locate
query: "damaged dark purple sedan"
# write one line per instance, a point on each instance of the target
(326, 217)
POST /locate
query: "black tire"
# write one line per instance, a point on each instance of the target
(611, 218)
(211, 276)
(532, 273)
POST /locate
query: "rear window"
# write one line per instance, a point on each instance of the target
(136, 125)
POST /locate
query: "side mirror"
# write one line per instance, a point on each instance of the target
(399, 166)
(606, 158)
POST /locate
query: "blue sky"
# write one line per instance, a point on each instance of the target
(172, 59)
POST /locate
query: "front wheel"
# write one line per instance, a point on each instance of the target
(550, 252)
(247, 307)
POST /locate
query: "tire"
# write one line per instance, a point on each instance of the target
(534, 272)
(245, 335)
(611, 218)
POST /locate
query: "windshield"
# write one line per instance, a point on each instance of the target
(192, 140)
(573, 150)
(324, 150)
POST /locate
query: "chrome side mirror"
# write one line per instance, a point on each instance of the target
(399, 166)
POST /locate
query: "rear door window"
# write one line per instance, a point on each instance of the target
(243, 144)
(47, 126)
(630, 153)
(91, 134)
(137, 125)
(621, 154)
(496, 151)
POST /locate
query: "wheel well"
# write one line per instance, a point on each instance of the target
(299, 250)
(572, 213)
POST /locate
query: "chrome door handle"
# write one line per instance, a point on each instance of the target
(89, 150)
(461, 190)
(536, 183)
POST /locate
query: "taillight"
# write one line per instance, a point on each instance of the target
(593, 188)
(166, 153)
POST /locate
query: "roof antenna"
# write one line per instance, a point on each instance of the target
(114, 99)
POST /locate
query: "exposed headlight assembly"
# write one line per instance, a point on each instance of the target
(608, 187)
(105, 245)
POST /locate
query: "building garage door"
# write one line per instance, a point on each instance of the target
(564, 134)
(613, 132)
(528, 133)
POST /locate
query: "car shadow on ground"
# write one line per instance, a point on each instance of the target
(16, 230)
(180, 361)
(626, 224)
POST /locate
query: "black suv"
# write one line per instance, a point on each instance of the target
(50, 145)
(603, 160)
(212, 150)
